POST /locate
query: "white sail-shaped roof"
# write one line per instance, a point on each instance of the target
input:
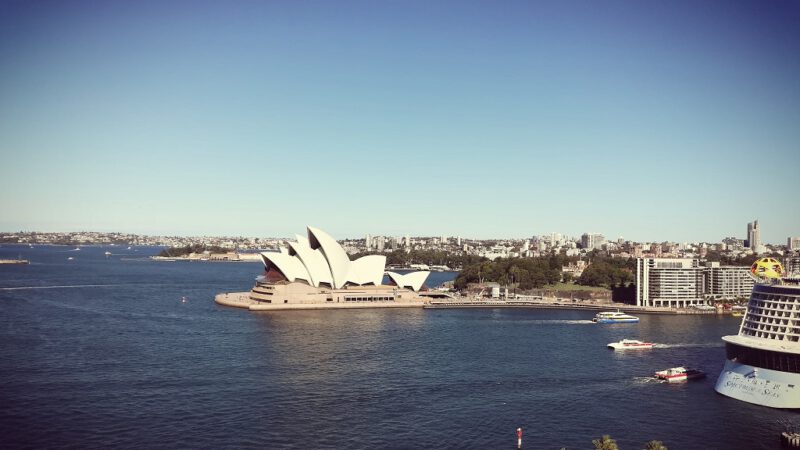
(337, 258)
(367, 269)
(413, 280)
(320, 259)
(313, 260)
(288, 265)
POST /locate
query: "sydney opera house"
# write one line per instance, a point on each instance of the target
(315, 272)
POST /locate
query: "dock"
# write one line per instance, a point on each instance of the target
(558, 304)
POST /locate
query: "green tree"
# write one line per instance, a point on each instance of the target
(655, 445)
(605, 443)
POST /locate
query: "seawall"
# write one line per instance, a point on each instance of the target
(242, 300)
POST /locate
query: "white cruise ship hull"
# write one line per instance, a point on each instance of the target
(764, 387)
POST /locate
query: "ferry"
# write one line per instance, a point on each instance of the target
(762, 363)
(630, 344)
(614, 317)
(677, 374)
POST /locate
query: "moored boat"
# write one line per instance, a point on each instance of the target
(630, 344)
(614, 317)
(677, 374)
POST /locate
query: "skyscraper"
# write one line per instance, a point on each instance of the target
(591, 241)
(368, 242)
(753, 235)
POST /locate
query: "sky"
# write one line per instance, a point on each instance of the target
(651, 120)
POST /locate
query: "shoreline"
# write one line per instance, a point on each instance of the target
(242, 300)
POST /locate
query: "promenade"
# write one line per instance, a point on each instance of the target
(242, 300)
(559, 304)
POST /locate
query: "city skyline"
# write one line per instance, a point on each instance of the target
(656, 122)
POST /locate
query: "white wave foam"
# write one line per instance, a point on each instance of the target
(561, 322)
(70, 286)
(690, 345)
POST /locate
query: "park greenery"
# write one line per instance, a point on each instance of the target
(174, 252)
(535, 273)
(525, 273)
(607, 272)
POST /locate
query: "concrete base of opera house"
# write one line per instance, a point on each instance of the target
(243, 300)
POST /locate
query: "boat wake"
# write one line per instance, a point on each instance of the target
(690, 345)
(561, 322)
(647, 380)
(23, 288)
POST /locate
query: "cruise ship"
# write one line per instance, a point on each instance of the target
(763, 361)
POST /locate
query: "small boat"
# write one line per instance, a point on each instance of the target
(677, 374)
(107, 253)
(70, 258)
(738, 311)
(614, 317)
(630, 344)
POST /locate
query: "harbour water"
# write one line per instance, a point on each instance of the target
(102, 352)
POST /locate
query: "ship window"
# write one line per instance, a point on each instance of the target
(765, 359)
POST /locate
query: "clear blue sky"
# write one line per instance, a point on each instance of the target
(650, 120)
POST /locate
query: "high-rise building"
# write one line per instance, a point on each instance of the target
(791, 262)
(458, 241)
(368, 242)
(753, 235)
(381, 242)
(591, 241)
(727, 282)
(793, 243)
(669, 282)
(408, 241)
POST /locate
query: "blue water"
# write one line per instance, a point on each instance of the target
(113, 358)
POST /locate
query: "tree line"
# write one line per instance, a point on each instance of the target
(535, 273)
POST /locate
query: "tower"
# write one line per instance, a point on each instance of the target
(753, 235)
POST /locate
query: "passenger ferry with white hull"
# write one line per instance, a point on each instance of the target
(763, 360)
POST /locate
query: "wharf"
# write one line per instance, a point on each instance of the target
(545, 304)
(243, 300)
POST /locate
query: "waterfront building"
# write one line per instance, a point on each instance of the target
(792, 264)
(753, 235)
(317, 271)
(727, 282)
(669, 282)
